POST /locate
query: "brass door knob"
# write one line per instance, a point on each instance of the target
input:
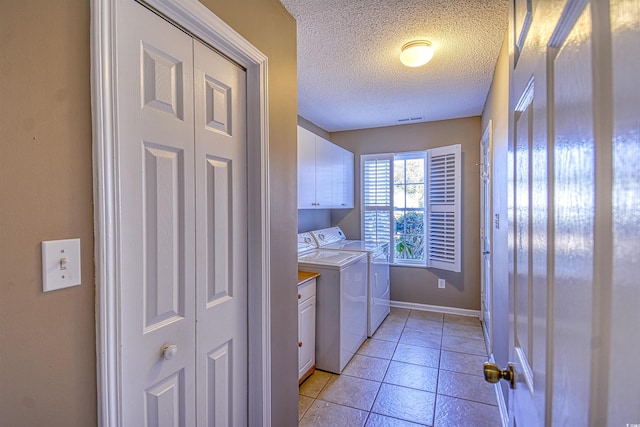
(493, 374)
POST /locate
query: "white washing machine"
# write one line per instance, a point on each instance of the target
(378, 270)
(341, 295)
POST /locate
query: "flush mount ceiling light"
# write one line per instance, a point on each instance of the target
(416, 53)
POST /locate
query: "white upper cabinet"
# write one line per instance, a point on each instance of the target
(325, 151)
(306, 169)
(346, 196)
(325, 173)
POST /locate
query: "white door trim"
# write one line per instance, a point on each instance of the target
(203, 24)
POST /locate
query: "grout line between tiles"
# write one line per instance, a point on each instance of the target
(439, 368)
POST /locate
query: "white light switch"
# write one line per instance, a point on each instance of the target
(60, 264)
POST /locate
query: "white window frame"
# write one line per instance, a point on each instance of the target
(442, 211)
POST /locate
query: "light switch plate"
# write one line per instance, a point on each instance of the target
(60, 264)
(441, 283)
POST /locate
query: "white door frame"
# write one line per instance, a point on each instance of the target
(195, 18)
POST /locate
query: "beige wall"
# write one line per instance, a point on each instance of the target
(419, 285)
(47, 341)
(497, 110)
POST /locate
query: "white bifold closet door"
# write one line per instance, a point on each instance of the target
(182, 188)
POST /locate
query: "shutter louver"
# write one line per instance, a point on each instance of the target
(444, 208)
(377, 183)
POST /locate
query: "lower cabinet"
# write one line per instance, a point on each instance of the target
(306, 328)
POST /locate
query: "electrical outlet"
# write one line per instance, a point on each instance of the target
(441, 283)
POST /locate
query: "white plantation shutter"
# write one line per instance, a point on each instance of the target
(377, 196)
(443, 208)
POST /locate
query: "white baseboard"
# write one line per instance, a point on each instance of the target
(436, 308)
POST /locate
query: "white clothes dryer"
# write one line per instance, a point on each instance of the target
(341, 295)
(378, 305)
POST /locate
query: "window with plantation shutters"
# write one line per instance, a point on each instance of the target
(413, 202)
(443, 211)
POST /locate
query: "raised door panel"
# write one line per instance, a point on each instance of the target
(530, 163)
(573, 216)
(306, 169)
(523, 292)
(486, 293)
(156, 198)
(221, 239)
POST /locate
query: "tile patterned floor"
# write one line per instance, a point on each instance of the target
(420, 368)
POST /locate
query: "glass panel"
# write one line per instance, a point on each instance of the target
(398, 222)
(414, 196)
(398, 248)
(399, 196)
(398, 172)
(415, 171)
(415, 247)
(409, 235)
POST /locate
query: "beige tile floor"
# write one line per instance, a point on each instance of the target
(420, 368)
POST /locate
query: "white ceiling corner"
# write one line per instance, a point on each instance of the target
(350, 75)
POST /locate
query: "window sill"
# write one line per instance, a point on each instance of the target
(408, 265)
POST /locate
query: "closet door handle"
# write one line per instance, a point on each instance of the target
(169, 351)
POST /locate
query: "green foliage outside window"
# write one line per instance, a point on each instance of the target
(409, 235)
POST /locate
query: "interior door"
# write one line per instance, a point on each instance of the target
(537, 31)
(157, 225)
(182, 196)
(486, 296)
(566, 192)
(221, 239)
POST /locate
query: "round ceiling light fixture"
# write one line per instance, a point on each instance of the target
(416, 53)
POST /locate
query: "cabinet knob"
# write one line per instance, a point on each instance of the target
(299, 296)
(299, 343)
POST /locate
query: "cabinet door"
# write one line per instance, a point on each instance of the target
(347, 180)
(306, 169)
(324, 169)
(306, 335)
(337, 175)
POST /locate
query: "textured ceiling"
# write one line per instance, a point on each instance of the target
(349, 74)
